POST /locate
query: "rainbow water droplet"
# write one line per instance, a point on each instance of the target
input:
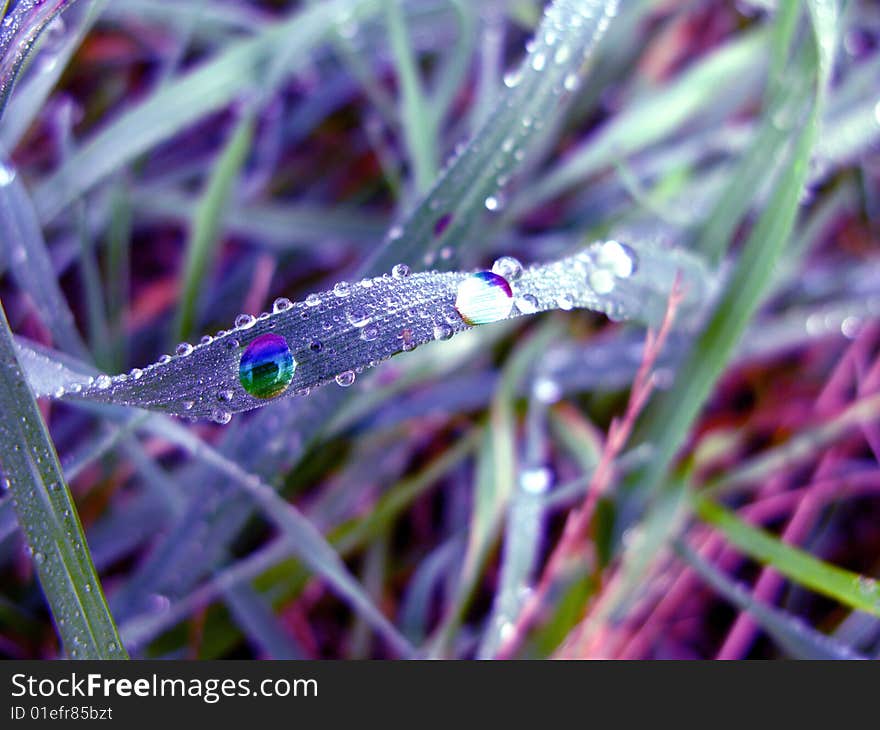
(483, 297)
(266, 366)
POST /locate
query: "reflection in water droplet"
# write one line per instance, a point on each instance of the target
(282, 304)
(245, 321)
(483, 297)
(346, 378)
(266, 366)
(183, 349)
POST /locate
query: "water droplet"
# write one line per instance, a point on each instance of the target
(245, 321)
(527, 304)
(483, 297)
(369, 333)
(313, 300)
(218, 415)
(400, 271)
(571, 82)
(619, 258)
(536, 481)
(39, 557)
(395, 232)
(266, 366)
(546, 390)
(442, 332)
(345, 378)
(184, 349)
(7, 174)
(601, 281)
(539, 61)
(565, 301)
(562, 54)
(508, 267)
(188, 405)
(357, 316)
(282, 304)
(224, 395)
(316, 346)
(341, 289)
(850, 326)
(492, 203)
(206, 340)
(512, 78)
(103, 382)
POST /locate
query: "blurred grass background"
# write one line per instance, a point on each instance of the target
(167, 165)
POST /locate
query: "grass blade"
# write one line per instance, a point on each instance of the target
(48, 517)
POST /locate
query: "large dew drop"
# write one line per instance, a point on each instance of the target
(484, 297)
(266, 366)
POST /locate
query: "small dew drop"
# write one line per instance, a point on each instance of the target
(357, 316)
(619, 258)
(601, 281)
(508, 267)
(218, 415)
(102, 382)
(565, 301)
(7, 174)
(345, 378)
(563, 53)
(183, 349)
(369, 333)
(341, 289)
(536, 481)
(493, 203)
(224, 395)
(512, 78)
(313, 300)
(546, 390)
(245, 321)
(400, 271)
(571, 82)
(442, 332)
(527, 304)
(282, 304)
(188, 405)
(206, 340)
(539, 61)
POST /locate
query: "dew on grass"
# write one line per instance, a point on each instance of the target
(483, 297)
(266, 366)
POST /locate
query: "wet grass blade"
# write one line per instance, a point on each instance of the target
(850, 589)
(49, 519)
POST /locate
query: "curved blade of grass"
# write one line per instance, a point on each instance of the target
(799, 639)
(335, 334)
(48, 517)
(850, 589)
